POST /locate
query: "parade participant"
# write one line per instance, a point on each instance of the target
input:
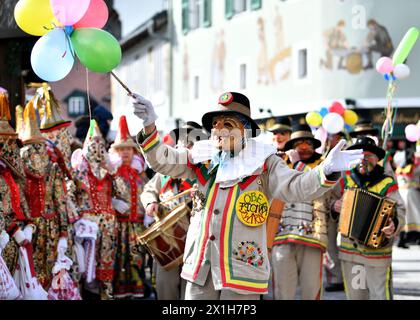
(225, 253)
(367, 271)
(408, 177)
(14, 211)
(46, 197)
(281, 131)
(169, 284)
(302, 235)
(90, 208)
(128, 182)
(55, 129)
(364, 128)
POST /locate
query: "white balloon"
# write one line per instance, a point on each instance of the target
(333, 123)
(401, 71)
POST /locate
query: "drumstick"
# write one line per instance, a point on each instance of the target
(184, 193)
(122, 84)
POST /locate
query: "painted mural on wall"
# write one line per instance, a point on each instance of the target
(274, 68)
(355, 57)
(218, 63)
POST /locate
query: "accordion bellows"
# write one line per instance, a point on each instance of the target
(363, 216)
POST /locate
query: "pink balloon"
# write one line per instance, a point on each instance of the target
(384, 65)
(412, 133)
(96, 16)
(69, 12)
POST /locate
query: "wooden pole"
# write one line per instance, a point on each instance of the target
(130, 93)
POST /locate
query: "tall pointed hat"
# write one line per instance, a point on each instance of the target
(31, 132)
(123, 138)
(5, 129)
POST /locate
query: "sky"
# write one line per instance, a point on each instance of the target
(134, 12)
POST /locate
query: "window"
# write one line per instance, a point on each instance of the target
(303, 63)
(196, 14)
(234, 7)
(242, 76)
(76, 106)
(196, 87)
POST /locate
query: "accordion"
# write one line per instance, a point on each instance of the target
(364, 215)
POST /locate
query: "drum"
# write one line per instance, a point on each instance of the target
(165, 239)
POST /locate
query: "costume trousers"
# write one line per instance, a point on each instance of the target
(333, 271)
(169, 284)
(207, 292)
(295, 264)
(362, 282)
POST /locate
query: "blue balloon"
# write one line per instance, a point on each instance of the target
(386, 76)
(52, 57)
(347, 127)
(323, 112)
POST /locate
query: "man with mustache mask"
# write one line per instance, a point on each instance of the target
(302, 235)
(367, 271)
(226, 253)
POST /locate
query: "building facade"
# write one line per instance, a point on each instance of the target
(290, 56)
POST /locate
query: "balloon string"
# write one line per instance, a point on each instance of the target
(390, 114)
(88, 93)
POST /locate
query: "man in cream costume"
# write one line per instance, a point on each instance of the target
(225, 253)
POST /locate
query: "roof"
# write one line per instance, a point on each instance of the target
(158, 22)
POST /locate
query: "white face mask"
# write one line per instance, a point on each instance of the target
(399, 158)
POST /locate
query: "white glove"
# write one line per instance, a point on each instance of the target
(338, 160)
(120, 206)
(4, 240)
(62, 245)
(293, 155)
(19, 237)
(28, 231)
(143, 109)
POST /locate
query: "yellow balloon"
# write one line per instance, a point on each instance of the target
(35, 16)
(350, 117)
(314, 119)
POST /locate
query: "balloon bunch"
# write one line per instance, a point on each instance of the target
(68, 28)
(333, 119)
(412, 132)
(393, 69)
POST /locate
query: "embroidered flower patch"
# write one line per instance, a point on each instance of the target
(249, 252)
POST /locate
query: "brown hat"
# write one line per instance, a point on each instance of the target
(232, 103)
(31, 133)
(300, 132)
(362, 128)
(5, 129)
(282, 125)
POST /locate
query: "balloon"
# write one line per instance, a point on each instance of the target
(337, 107)
(34, 16)
(314, 119)
(52, 57)
(333, 123)
(384, 65)
(412, 133)
(323, 112)
(96, 49)
(3, 90)
(96, 16)
(69, 12)
(401, 71)
(405, 46)
(350, 117)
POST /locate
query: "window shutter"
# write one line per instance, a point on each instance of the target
(207, 13)
(229, 9)
(185, 16)
(256, 4)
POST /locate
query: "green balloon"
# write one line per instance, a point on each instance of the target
(405, 46)
(96, 49)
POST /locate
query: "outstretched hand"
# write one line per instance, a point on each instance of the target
(339, 160)
(143, 109)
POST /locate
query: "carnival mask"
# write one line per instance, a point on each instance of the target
(305, 148)
(368, 163)
(35, 158)
(229, 133)
(96, 155)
